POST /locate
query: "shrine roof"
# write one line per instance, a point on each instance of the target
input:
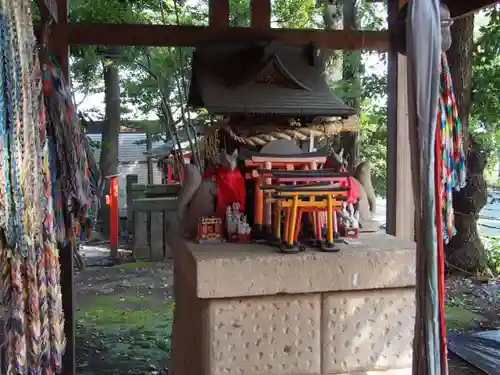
(263, 78)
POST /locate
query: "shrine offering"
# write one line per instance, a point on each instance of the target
(210, 230)
(238, 229)
(349, 221)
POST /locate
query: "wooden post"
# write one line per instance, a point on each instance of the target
(218, 13)
(58, 43)
(48, 9)
(400, 206)
(308, 144)
(351, 74)
(311, 143)
(113, 217)
(131, 179)
(149, 140)
(261, 14)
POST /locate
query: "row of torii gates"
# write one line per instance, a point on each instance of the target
(63, 34)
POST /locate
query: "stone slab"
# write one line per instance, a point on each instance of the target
(367, 330)
(271, 335)
(402, 371)
(374, 261)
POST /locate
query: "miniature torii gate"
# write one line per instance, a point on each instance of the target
(400, 195)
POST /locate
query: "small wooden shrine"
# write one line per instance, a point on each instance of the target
(266, 91)
(266, 78)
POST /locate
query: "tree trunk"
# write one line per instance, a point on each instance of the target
(108, 160)
(460, 61)
(465, 252)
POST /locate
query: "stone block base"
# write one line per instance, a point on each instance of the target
(225, 328)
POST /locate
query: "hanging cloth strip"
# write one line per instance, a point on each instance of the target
(452, 156)
(29, 259)
(450, 175)
(75, 173)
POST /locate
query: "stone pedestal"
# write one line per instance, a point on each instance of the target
(249, 310)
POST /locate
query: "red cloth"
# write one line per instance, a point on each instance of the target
(353, 193)
(230, 188)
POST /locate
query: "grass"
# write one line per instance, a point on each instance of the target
(113, 309)
(459, 318)
(124, 334)
(492, 245)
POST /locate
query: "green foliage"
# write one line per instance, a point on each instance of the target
(492, 245)
(373, 138)
(484, 123)
(373, 135)
(460, 317)
(239, 13)
(297, 14)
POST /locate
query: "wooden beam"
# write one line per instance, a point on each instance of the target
(461, 8)
(58, 38)
(218, 13)
(159, 35)
(48, 10)
(261, 14)
(400, 207)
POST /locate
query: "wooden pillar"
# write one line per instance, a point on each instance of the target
(400, 206)
(218, 13)
(59, 45)
(149, 140)
(261, 14)
(131, 179)
(48, 9)
(57, 11)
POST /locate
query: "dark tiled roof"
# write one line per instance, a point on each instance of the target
(227, 79)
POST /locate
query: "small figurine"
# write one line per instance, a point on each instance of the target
(230, 220)
(236, 211)
(355, 223)
(238, 229)
(244, 230)
(349, 221)
(210, 230)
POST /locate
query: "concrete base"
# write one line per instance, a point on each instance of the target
(247, 310)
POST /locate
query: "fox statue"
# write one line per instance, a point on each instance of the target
(362, 177)
(198, 195)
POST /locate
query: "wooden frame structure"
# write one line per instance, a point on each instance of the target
(400, 194)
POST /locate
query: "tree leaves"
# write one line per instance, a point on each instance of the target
(151, 74)
(485, 116)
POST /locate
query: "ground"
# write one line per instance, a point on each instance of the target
(125, 313)
(471, 305)
(124, 319)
